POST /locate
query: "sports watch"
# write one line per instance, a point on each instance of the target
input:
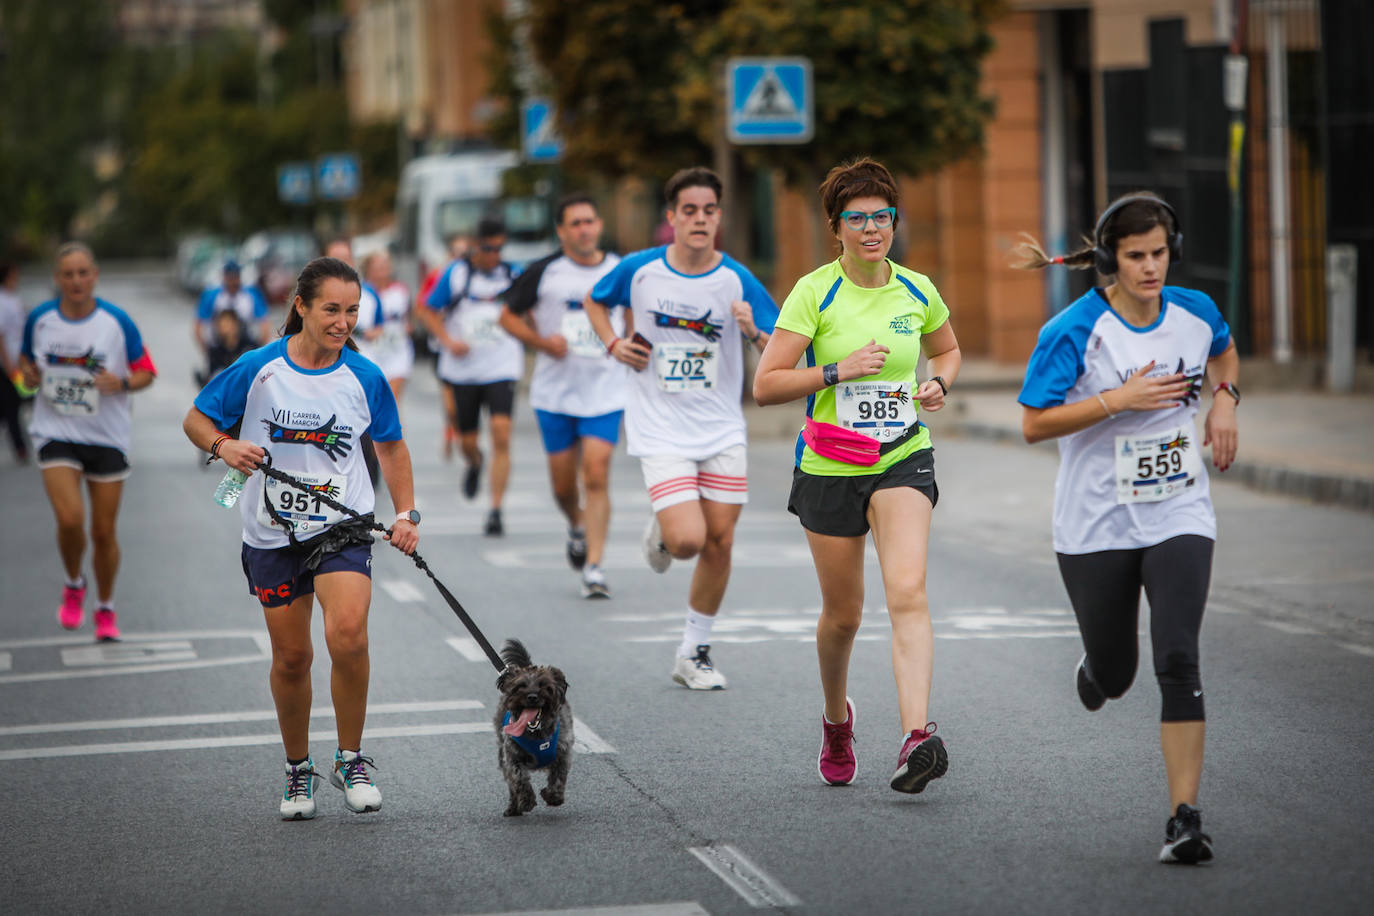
(1229, 388)
(412, 516)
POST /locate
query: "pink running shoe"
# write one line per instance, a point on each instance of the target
(105, 628)
(837, 762)
(71, 613)
(922, 759)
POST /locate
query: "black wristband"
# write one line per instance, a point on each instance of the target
(830, 374)
(944, 389)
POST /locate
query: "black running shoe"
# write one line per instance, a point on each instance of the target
(577, 548)
(494, 527)
(471, 478)
(923, 758)
(1184, 841)
(1088, 691)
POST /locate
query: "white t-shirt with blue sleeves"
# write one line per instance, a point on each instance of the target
(495, 355)
(1087, 349)
(694, 415)
(69, 354)
(248, 303)
(310, 420)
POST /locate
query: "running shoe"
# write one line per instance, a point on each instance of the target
(1184, 841)
(471, 478)
(71, 613)
(837, 764)
(577, 548)
(1088, 691)
(351, 774)
(298, 801)
(697, 672)
(922, 759)
(655, 554)
(494, 527)
(106, 628)
(594, 583)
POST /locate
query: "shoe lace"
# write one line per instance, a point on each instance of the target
(838, 739)
(298, 781)
(355, 771)
(703, 659)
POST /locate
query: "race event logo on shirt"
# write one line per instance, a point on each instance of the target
(901, 325)
(88, 361)
(328, 438)
(702, 325)
(1193, 375)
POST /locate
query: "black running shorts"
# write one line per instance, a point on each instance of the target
(838, 506)
(468, 400)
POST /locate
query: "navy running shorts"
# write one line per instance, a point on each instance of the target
(278, 576)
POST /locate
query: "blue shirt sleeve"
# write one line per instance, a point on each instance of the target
(614, 288)
(26, 347)
(764, 308)
(259, 303)
(133, 340)
(442, 294)
(205, 308)
(223, 399)
(381, 403)
(1202, 305)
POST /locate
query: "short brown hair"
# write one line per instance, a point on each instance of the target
(698, 176)
(862, 177)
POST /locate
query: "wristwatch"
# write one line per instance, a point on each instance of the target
(1229, 388)
(412, 516)
(939, 380)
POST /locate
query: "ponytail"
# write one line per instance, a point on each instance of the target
(1033, 257)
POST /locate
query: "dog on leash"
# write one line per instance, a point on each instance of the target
(534, 728)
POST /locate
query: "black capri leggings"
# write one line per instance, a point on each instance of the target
(1104, 589)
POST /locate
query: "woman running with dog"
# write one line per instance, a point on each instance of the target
(1115, 377)
(308, 398)
(864, 459)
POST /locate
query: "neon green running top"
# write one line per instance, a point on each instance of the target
(839, 318)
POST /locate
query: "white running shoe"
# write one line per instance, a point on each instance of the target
(594, 583)
(655, 554)
(697, 673)
(351, 774)
(298, 801)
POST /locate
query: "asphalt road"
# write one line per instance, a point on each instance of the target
(143, 777)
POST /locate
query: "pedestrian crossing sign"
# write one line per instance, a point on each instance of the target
(538, 138)
(769, 100)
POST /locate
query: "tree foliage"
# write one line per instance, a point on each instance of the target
(638, 84)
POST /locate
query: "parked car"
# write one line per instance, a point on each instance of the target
(273, 258)
(200, 260)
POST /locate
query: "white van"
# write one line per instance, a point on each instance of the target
(443, 196)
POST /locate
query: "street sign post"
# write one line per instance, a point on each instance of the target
(769, 100)
(338, 176)
(538, 139)
(293, 182)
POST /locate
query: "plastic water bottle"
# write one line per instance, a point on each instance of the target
(230, 488)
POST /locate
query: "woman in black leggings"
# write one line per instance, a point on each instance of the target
(1116, 377)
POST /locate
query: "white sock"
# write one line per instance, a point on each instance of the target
(78, 582)
(105, 605)
(696, 632)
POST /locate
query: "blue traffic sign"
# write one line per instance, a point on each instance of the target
(338, 176)
(538, 137)
(293, 182)
(769, 100)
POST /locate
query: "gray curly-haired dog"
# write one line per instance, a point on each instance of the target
(534, 728)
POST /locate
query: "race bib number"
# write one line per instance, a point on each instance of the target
(1156, 466)
(686, 366)
(582, 340)
(303, 510)
(392, 339)
(879, 410)
(71, 393)
(479, 325)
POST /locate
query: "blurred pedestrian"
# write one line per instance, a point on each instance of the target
(245, 301)
(1116, 378)
(864, 459)
(85, 355)
(11, 338)
(479, 362)
(388, 341)
(369, 316)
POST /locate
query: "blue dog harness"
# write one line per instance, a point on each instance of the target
(543, 751)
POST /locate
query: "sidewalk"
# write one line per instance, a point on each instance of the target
(1309, 444)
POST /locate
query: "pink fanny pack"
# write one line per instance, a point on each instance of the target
(840, 444)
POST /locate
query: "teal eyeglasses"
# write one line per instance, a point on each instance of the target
(858, 220)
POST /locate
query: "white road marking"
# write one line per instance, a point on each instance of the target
(745, 878)
(134, 669)
(622, 556)
(588, 741)
(467, 647)
(642, 909)
(222, 718)
(1358, 650)
(1293, 629)
(116, 653)
(5, 661)
(400, 590)
(258, 636)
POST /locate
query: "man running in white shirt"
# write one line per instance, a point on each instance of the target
(578, 395)
(688, 307)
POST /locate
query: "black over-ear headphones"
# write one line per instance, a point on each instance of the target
(1104, 258)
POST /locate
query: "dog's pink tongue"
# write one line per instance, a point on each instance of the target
(518, 726)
